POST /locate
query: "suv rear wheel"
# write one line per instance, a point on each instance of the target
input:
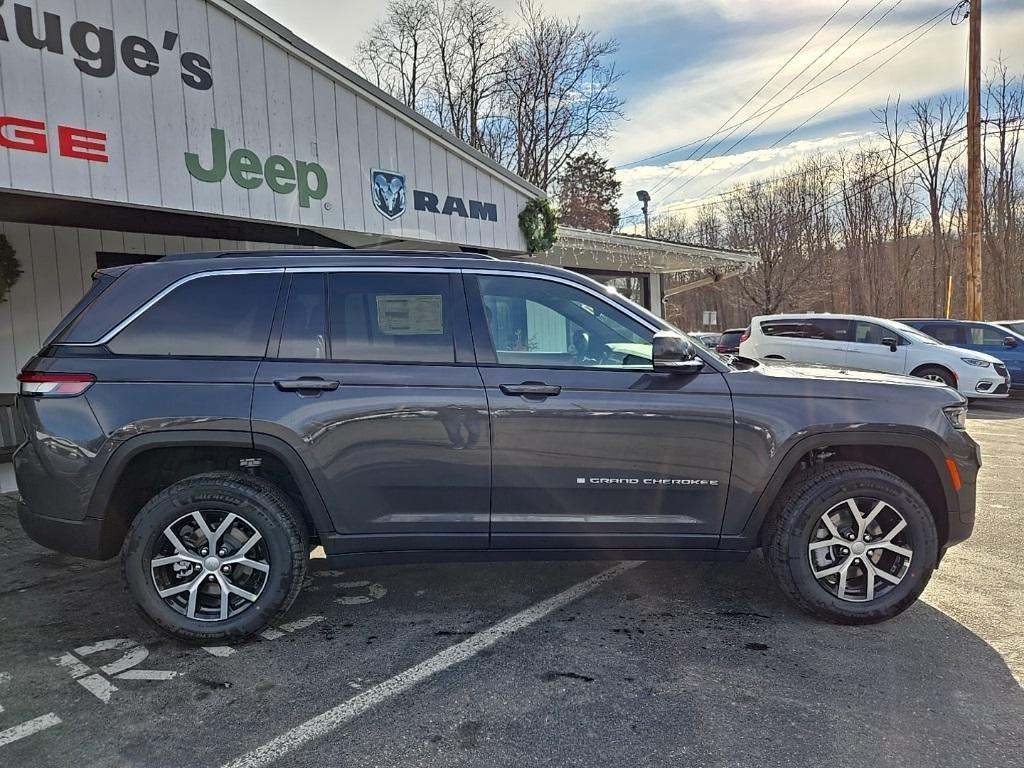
(215, 557)
(851, 543)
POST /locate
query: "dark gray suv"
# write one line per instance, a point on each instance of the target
(213, 417)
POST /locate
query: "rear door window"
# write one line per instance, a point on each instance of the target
(826, 329)
(217, 316)
(817, 329)
(786, 327)
(391, 318)
(947, 334)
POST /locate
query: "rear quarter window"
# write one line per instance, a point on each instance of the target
(217, 316)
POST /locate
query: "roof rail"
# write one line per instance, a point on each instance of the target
(189, 256)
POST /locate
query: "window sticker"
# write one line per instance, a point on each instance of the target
(410, 315)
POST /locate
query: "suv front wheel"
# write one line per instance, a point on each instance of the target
(215, 557)
(851, 543)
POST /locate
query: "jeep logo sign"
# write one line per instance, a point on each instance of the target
(248, 171)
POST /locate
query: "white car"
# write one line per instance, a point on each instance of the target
(874, 344)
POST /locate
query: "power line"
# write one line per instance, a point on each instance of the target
(784, 88)
(889, 167)
(936, 20)
(808, 87)
(764, 85)
(907, 156)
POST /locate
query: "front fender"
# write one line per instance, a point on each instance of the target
(756, 486)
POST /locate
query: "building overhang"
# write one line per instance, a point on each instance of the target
(612, 252)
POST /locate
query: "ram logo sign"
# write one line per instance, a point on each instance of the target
(388, 192)
(387, 189)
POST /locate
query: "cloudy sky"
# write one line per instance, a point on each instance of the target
(690, 64)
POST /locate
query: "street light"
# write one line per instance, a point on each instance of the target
(644, 197)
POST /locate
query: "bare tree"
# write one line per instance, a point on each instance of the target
(559, 92)
(902, 206)
(396, 55)
(1004, 190)
(928, 142)
(469, 39)
(532, 95)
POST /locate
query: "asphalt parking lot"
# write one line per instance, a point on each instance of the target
(554, 664)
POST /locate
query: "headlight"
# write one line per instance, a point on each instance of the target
(976, 362)
(957, 415)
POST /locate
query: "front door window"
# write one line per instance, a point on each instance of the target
(538, 323)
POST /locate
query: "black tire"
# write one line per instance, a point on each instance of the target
(936, 373)
(795, 518)
(285, 542)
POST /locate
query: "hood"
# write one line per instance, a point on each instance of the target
(808, 372)
(973, 353)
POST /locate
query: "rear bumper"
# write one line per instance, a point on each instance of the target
(81, 538)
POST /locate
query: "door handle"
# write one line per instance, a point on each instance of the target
(531, 389)
(313, 383)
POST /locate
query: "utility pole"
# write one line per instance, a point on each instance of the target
(975, 309)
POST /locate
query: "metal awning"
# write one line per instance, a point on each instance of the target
(585, 249)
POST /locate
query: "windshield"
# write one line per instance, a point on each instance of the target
(667, 326)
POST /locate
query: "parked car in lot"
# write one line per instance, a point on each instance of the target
(709, 340)
(1017, 326)
(991, 338)
(875, 344)
(729, 341)
(213, 417)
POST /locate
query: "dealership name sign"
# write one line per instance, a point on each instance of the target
(201, 106)
(95, 50)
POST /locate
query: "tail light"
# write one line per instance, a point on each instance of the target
(39, 384)
(745, 336)
(721, 348)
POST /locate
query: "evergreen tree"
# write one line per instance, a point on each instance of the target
(587, 191)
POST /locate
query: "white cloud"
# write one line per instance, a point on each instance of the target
(714, 90)
(687, 103)
(717, 175)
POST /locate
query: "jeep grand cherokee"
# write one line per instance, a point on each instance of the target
(212, 417)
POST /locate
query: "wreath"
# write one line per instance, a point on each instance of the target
(538, 224)
(10, 268)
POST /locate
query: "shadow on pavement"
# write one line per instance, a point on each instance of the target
(707, 665)
(997, 410)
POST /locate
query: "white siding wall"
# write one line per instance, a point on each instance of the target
(57, 265)
(266, 96)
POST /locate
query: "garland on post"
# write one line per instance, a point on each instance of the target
(539, 225)
(10, 267)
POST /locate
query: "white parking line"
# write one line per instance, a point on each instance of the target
(221, 651)
(323, 724)
(25, 730)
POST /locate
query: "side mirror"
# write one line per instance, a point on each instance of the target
(671, 353)
(1009, 342)
(892, 342)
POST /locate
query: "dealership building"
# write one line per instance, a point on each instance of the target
(134, 129)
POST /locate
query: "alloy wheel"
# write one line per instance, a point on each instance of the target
(210, 565)
(860, 549)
